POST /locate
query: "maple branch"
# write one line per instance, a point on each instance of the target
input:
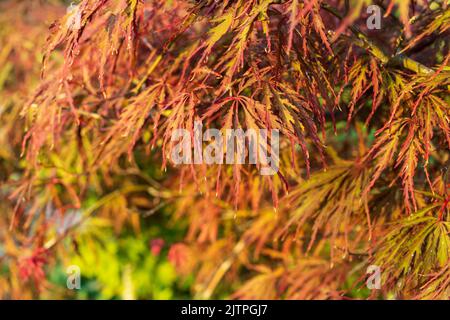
(363, 41)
